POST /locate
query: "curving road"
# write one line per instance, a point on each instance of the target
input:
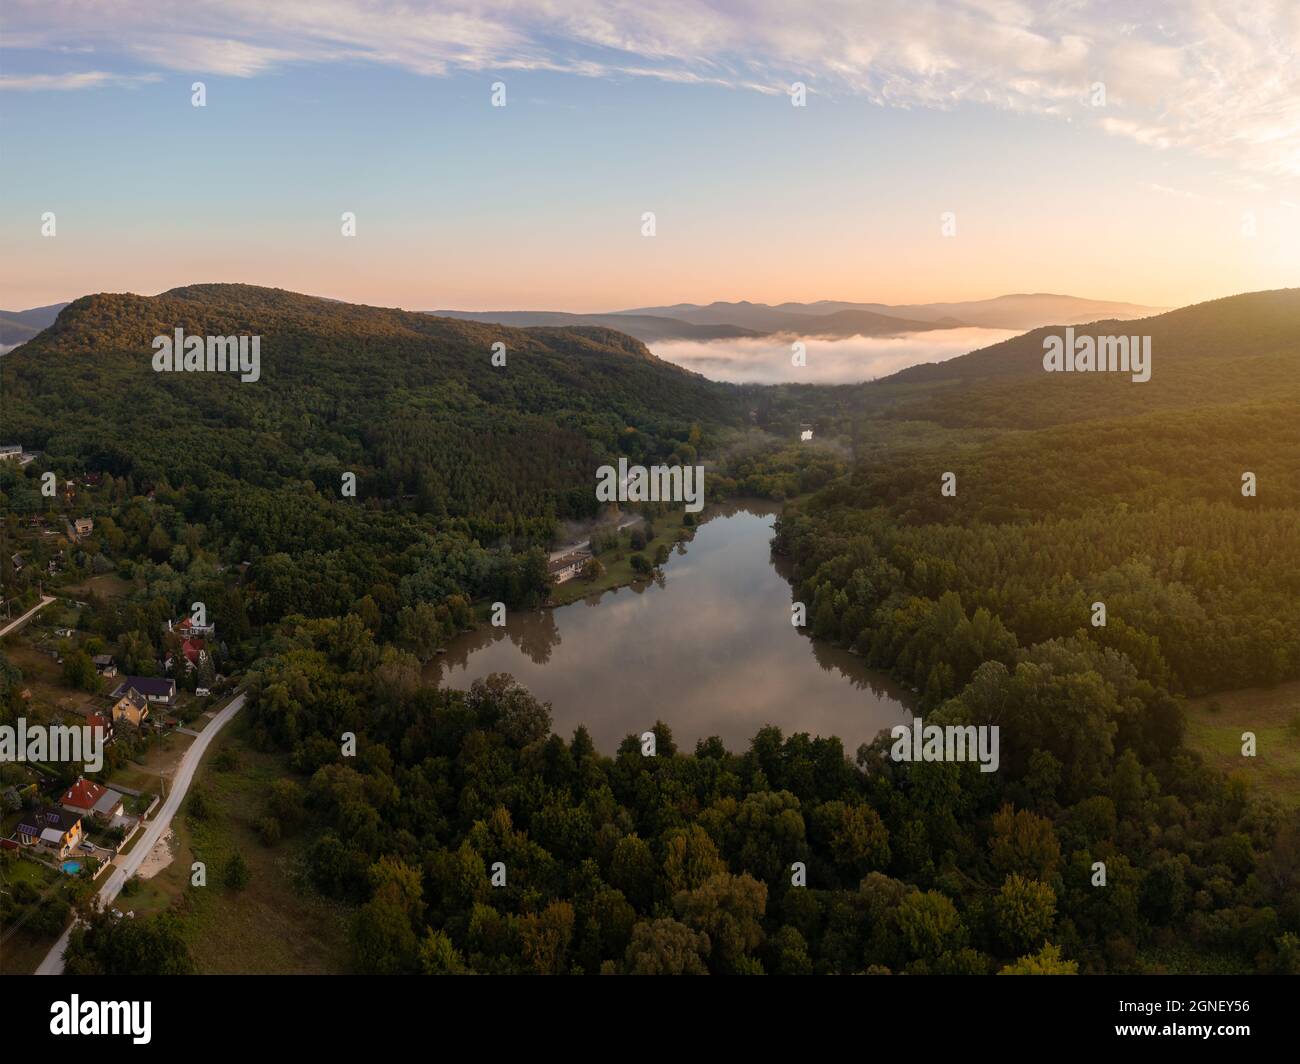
(127, 866)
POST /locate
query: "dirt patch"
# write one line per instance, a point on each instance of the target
(163, 853)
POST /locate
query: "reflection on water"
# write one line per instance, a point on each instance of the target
(706, 647)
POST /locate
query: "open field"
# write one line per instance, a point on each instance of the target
(22, 950)
(43, 676)
(106, 585)
(1273, 714)
(275, 924)
(161, 761)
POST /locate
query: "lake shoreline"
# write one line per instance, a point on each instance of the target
(706, 645)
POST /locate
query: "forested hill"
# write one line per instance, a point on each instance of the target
(1073, 488)
(1240, 350)
(1254, 323)
(463, 468)
(410, 402)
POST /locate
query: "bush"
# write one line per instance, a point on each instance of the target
(236, 875)
(269, 829)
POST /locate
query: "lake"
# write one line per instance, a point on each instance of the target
(707, 647)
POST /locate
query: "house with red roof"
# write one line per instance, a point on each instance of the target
(185, 628)
(100, 725)
(82, 796)
(87, 798)
(193, 650)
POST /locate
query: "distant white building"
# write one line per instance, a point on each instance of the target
(567, 566)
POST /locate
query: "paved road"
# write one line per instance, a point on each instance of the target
(26, 616)
(130, 864)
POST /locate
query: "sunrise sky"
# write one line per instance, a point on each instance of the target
(979, 108)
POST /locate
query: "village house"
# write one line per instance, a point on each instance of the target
(87, 798)
(567, 566)
(192, 650)
(157, 690)
(186, 628)
(131, 708)
(104, 665)
(13, 452)
(84, 526)
(56, 829)
(100, 725)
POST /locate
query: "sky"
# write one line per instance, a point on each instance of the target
(1077, 150)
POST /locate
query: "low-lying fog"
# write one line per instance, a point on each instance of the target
(766, 359)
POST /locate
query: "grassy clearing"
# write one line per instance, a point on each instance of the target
(106, 586)
(161, 760)
(42, 676)
(276, 924)
(1215, 725)
(23, 950)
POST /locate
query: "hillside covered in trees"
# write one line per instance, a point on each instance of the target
(468, 837)
(462, 467)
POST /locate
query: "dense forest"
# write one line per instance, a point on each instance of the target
(470, 838)
(463, 468)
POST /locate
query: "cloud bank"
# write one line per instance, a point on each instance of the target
(766, 360)
(1215, 77)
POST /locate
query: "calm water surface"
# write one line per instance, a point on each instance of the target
(708, 648)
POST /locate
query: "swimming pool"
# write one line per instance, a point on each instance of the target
(72, 867)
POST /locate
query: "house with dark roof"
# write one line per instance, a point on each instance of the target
(567, 566)
(55, 829)
(131, 708)
(105, 665)
(157, 690)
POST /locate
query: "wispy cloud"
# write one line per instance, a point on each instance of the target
(1214, 77)
(90, 79)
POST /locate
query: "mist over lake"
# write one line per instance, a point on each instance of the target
(766, 359)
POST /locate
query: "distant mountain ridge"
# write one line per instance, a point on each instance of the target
(19, 326)
(726, 321)
(826, 318)
(645, 327)
(1019, 311)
